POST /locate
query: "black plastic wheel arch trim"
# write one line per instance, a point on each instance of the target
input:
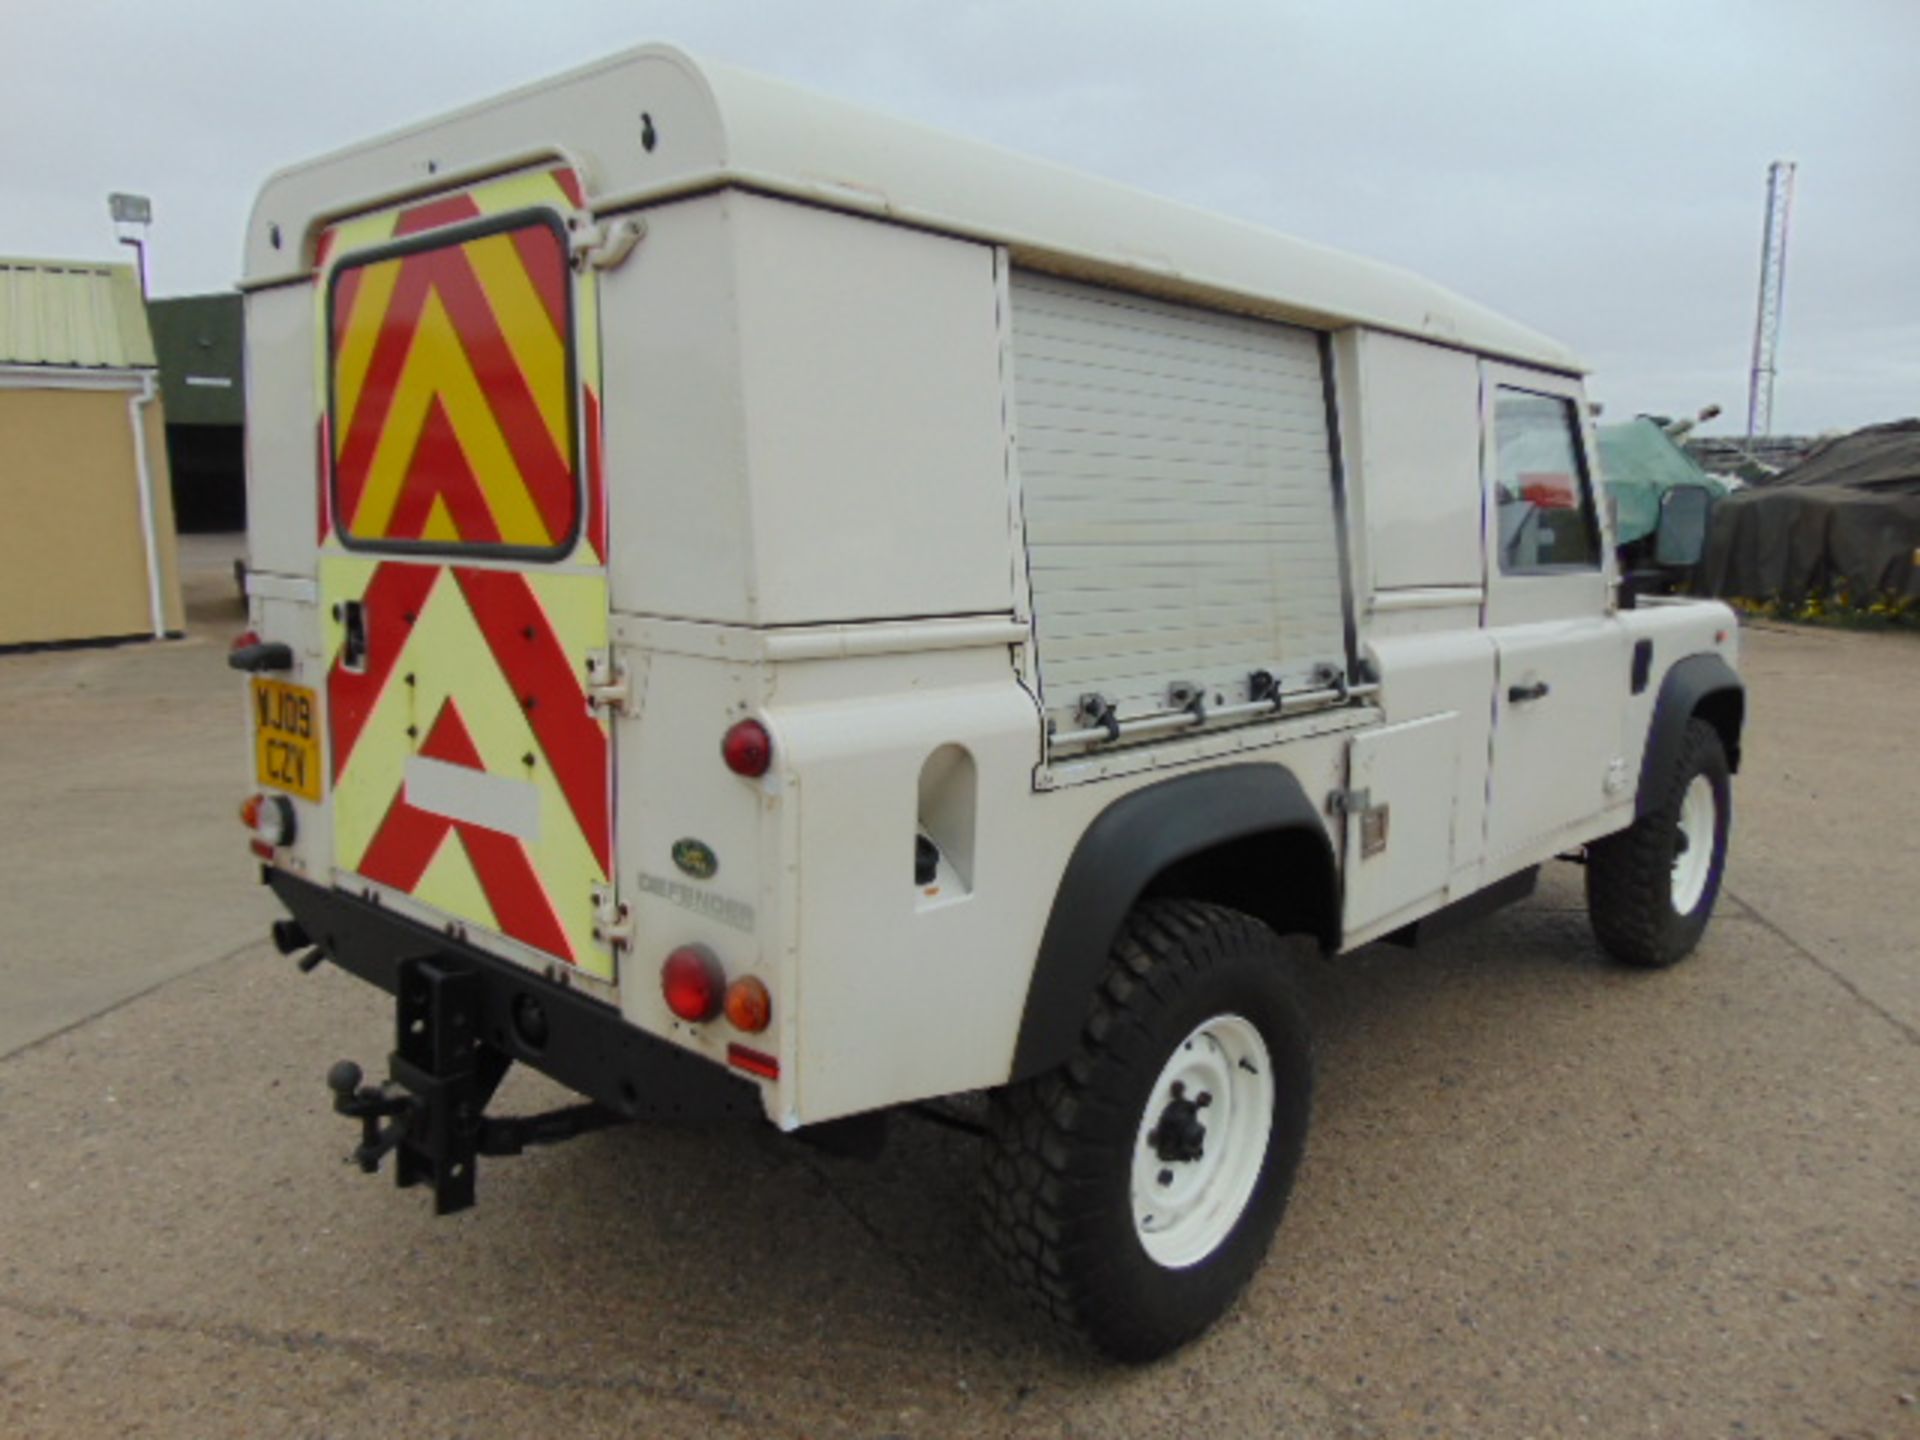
(588, 1046)
(1688, 684)
(1120, 854)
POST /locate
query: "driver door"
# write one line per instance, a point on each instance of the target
(1562, 658)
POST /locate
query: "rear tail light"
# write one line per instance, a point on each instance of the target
(692, 983)
(244, 639)
(748, 749)
(749, 1007)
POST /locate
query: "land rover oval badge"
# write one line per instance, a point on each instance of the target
(695, 858)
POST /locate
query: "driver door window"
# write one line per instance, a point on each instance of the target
(1542, 494)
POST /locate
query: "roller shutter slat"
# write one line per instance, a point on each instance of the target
(1177, 494)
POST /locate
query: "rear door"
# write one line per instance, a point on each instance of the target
(462, 569)
(1561, 651)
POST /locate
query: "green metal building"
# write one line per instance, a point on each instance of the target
(198, 339)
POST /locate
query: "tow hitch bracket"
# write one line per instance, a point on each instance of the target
(430, 1115)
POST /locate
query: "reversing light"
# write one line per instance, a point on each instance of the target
(692, 983)
(270, 817)
(748, 749)
(749, 1007)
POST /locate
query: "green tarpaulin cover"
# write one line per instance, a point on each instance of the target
(1639, 463)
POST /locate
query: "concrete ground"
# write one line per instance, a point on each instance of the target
(1543, 1196)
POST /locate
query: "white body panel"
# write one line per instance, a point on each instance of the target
(1402, 855)
(1418, 446)
(905, 491)
(282, 437)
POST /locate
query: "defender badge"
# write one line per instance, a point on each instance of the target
(695, 858)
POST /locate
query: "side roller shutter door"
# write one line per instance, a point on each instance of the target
(1178, 495)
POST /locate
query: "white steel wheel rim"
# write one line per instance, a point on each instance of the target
(1184, 1208)
(1693, 859)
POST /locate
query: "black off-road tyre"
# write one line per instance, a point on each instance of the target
(1630, 876)
(1055, 1192)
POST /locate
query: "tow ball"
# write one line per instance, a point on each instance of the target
(430, 1115)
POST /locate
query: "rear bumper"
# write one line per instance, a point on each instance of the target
(582, 1043)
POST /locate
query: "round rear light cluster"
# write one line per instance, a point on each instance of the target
(693, 984)
(748, 749)
(749, 1007)
(696, 990)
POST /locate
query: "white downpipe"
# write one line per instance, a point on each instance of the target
(136, 408)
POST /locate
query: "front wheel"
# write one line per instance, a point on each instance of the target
(1133, 1191)
(1651, 888)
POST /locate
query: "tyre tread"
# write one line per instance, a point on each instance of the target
(1027, 1186)
(1629, 874)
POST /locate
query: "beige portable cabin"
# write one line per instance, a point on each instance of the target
(86, 522)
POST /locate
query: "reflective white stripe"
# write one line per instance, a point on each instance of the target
(300, 589)
(492, 802)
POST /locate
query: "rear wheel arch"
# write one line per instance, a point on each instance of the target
(1243, 836)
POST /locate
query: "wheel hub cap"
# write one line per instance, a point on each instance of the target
(1693, 844)
(1202, 1141)
(1180, 1136)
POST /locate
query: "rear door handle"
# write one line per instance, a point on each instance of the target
(1520, 694)
(353, 644)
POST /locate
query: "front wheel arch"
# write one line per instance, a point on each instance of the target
(1699, 687)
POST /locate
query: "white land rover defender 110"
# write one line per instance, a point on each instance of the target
(759, 607)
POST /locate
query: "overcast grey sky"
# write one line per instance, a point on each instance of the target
(1595, 169)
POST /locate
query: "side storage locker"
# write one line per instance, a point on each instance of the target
(1177, 485)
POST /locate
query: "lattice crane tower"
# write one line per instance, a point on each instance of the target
(1773, 282)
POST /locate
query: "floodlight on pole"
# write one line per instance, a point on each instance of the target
(133, 210)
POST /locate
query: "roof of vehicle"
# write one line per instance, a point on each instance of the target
(74, 314)
(711, 126)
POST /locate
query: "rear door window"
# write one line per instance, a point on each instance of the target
(451, 392)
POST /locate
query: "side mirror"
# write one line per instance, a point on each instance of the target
(1681, 538)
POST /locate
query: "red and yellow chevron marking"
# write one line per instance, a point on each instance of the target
(435, 478)
(475, 667)
(452, 413)
(445, 417)
(409, 839)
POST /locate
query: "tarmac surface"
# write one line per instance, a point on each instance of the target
(1543, 1196)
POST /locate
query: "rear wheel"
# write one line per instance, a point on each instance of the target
(1132, 1192)
(1652, 887)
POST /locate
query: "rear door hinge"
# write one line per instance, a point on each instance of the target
(609, 684)
(604, 244)
(612, 923)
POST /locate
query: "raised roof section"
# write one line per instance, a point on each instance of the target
(711, 125)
